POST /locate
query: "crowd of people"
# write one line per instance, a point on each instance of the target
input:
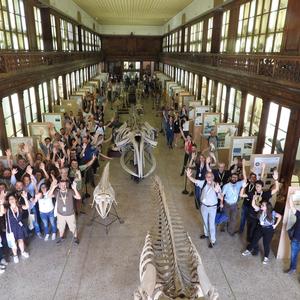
(218, 190)
(42, 191)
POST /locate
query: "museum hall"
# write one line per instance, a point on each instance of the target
(149, 149)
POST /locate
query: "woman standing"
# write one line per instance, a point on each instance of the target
(170, 132)
(15, 229)
(176, 128)
(46, 211)
(268, 220)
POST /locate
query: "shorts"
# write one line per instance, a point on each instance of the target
(63, 220)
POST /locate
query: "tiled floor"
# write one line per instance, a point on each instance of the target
(105, 267)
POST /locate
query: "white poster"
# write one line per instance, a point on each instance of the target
(210, 120)
(55, 119)
(16, 144)
(242, 148)
(77, 98)
(225, 132)
(199, 112)
(272, 162)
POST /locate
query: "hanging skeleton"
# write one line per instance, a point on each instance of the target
(136, 140)
(104, 194)
(170, 266)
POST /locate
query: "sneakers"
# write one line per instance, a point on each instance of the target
(2, 271)
(211, 245)
(3, 262)
(60, 240)
(25, 254)
(203, 236)
(290, 271)
(46, 237)
(76, 240)
(246, 253)
(39, 235)
(53, 237)
(265, 261)
(16, 259)
(2, 267)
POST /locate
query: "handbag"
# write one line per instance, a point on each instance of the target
(221, 217)
(10, 237)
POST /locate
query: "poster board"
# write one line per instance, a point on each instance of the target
(39, 129)
(210, 120)
(82, 94)
(271, 161)
(77, 98)
(242, 147)
(55, 118)
(225, 132)
(199, 112)
(3, 161)
(289, 219)
(67, 106)
(14, 143)
(89, 88)
(187, 99)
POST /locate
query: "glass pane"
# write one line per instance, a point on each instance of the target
(269, 43)
(9, 127)
(6, 107)
(281, 20)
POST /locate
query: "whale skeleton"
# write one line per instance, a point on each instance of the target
(170, 265)
(104, 194)
(135, 141)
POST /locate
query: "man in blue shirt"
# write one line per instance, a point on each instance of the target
(231, 192)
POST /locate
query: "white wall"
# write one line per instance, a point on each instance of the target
(70, 8)
(127, 29)
(196, 8)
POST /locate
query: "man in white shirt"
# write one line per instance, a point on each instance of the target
(210, 192)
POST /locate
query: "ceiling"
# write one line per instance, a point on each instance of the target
(132, 12)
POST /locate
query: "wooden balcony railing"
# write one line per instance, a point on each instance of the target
(286, 68)
(18, 60)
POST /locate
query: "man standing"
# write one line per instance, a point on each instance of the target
(210, 193)
(231, 193)
(221, 174)
(64, 207)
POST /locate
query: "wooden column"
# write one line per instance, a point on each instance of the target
(22, 113)
(199, 87)
(263, 126)
(216, 33)
(38, 103)
(214, 95)
(182, 40)
(58, 34)
(46, 27)
(204, 39)
(242, 113)
(232, 28)
(206, 92)
(291, 34)
(30, 24)
(64, 86)
(291, 145)
(50, 96)
(227, 103)
(3, 136)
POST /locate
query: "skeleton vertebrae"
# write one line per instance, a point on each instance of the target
(104, 194)
(170, 266)
(136, 140)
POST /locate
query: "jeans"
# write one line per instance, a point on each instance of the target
(295, 249)
(209, 218)
(49, 217)
(170, 137)
(35, 222)
(244, 216)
